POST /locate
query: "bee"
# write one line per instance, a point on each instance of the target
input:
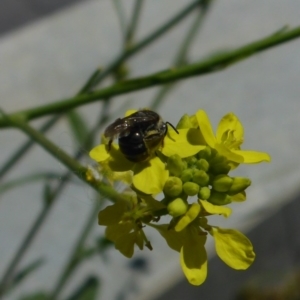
(139, 134)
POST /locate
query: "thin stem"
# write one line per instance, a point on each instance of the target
(72, 164)
(181, 56)
(121, 15)
(133, 25)
(97, 77)
(42, 216)
(169, 24)
(213, 64)
(19, 153)
(74, 259)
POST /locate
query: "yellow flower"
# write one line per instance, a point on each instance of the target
(190, 244)
(233, 248)
(191, 167)
(124, 222)
(228, 139)
(147, 176)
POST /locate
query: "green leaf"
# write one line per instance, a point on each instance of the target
(78, 127)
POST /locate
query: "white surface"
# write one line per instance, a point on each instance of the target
(52, 58)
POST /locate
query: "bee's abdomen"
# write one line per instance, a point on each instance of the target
(133, 147)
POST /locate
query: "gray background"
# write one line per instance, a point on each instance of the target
(51, 54)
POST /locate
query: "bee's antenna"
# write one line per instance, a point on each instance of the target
(172, 127)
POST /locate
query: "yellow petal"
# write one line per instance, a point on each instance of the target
(130, 112)
(193, 259)
(150, 177)
(125, 176)
(233, 248)
(184, 122)
(205, 127)
(117, 161)
(253, 157)
(112, 214)
(187, 143)
(189, 217)
(229, 154)
(125, 244)
(174, 239)
(153, 204)
(240, 197)
(215, 209)
(113, 232)
(99, 153)
(229, 122)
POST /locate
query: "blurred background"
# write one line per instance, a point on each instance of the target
(48, 49)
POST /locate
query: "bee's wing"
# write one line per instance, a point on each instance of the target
(117, 127)
(122, 126)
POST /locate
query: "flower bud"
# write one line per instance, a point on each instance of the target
(202, 164)
(218, 159)
(177, 207)
(184, 122)
(173, 187)
(175, 165)
(200, 177)
(239, 184)
(205, 153)
(222, 183)
(204, 193)
(189, 217)
(191, 161)
(218, 198)
(220, 168)
(191, 188)
(187, 175)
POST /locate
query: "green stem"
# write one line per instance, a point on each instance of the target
(42, 216)
(19, 153)
(133, 25)
(120, 15)
(181, 56)
(74, 259)
(169, 24)
(71, 163)
(209, 65)
(97, 77)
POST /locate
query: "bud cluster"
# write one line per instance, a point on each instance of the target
(204, 175)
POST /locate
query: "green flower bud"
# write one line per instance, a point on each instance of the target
(177, 207)
(239, 184)
(187, 175)
(191, 188)
(205, 153)
(204, 193)
(221, 168)
(222, 183)
(173, 187)
(202, 164)
(191, 161)
(184, 122)
(185, 165)
(218, 159)
(200, 177)
(175, 165)
(218, 198)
